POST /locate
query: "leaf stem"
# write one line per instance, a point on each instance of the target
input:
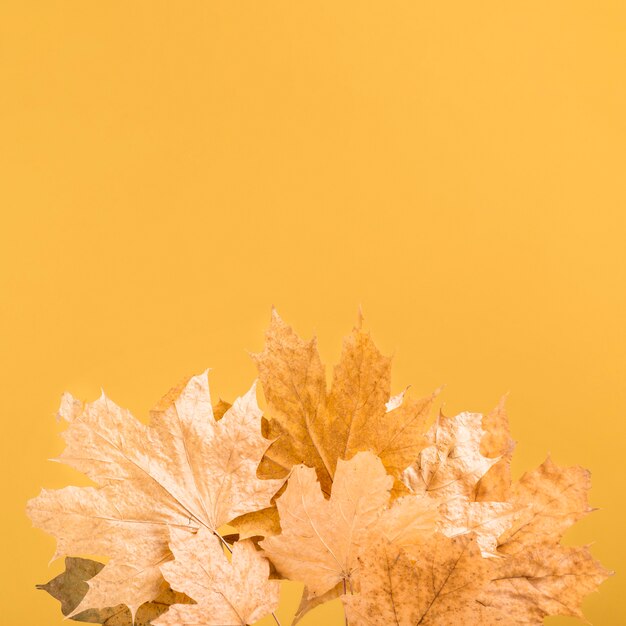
(223, 541)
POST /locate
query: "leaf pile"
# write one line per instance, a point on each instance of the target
(348, 489)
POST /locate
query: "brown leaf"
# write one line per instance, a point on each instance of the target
(70, 587)
(318, 429)
(184, 470)
(226, 593)
(550, 499)
(544, 579)
(439, 588)
(220, 408)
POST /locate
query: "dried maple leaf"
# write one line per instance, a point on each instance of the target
(486, 520)
(538, 576)
(450, 469)
(70, 588)
(431, 531)
(184, 470)
(227, 593)
(551, 499)
(544, 579)
(316, 427)
(451, 463)
(439, 588)
(320, 538)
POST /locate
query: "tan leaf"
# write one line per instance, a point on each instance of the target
(545, 579)
(184, 470)
(227, 593)
(294, 386)
(439, 588)
(316, 428)
(550, 499)
(320, 538)
(451, 464)
(71, 586)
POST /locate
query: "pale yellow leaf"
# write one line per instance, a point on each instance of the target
(321, 537)
(227, 593)
(486, 520)
(451, 464)
(184, 470)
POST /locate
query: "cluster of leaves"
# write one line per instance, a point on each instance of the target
(348, 490)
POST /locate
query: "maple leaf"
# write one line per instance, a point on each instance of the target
(320, 538)
(70, 588)
(538, 576)
(406, 527)
(544, 579)
(227, 593)
(450, 470)
(185, 470)
(439, 588)
(486, 520)
(317, 428)
(551, 499)
(451, 463)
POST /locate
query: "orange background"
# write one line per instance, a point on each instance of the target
(171, 169)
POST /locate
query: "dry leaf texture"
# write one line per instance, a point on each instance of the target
(227, 593)
(185, 470)
(70, 587)
(315, 427)
(320, 538)
(439, 588)
(408, 524)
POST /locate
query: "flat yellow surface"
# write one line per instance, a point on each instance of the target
(169, 170)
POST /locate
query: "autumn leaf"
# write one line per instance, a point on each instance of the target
(407, 523)
(345, 490)
(451, 463)
(70, 587)
(320, 538)
(543, 579)
(449, 471)
(438, 588)
(551, 499)
(185, 470)
(227, 593)
(488, 521)
(317, 428)
(538, 576)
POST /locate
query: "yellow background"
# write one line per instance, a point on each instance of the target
(169, 170)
